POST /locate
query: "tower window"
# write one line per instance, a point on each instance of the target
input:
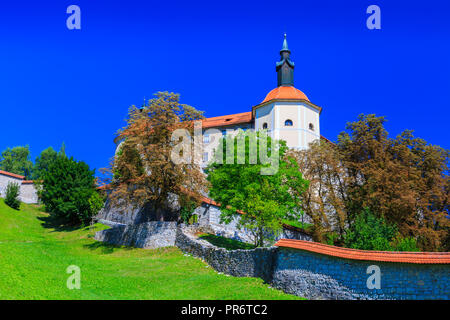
(206, 138)
(311, 127)
(265, 125)
(205, 157)
(288, 123)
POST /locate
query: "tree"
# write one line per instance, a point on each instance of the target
(43, 162)
(264, 199)
(144, 172)
(12, 195)
(402, 180)
(17, 160)
(67, 188)
(325, 199)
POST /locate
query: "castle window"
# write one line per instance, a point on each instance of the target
(265, 125)
(288, 123)
(224, 133)
(205, 156)
(206, 138)
(311, 127)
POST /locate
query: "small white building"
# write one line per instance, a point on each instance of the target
(28, 192)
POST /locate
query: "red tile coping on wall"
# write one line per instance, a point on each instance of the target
(27, 181)
(355, 254)
(6, 173)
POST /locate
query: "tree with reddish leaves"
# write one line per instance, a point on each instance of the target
(143, 170)
(403, 180)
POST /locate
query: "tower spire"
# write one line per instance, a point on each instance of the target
(285, 67)
(285, 45)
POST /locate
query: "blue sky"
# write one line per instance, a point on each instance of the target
(75, 86)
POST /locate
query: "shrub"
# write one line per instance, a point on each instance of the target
(186, 212)
(12, 194)
(96, 203)
(370, 233)
(67, 187)
(405, 244)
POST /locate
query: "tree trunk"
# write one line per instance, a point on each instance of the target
(159, 214)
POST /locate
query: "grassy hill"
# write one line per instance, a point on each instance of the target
(35, 251)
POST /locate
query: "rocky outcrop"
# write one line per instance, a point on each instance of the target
(148, 235)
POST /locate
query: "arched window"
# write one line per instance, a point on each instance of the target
(265, 125)
(288, 123)
(311, 127)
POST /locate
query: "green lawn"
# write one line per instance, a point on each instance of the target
(35, 252)
(222, 242)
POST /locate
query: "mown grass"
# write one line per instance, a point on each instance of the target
(298, 224)
(35, 251)
(222, 242)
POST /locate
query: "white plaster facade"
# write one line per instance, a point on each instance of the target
(28, 193)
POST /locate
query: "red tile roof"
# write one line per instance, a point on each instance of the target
(103, 187)
(326, 140)
(12, 175)
(285, 93)
(238, 118)
(354, 254)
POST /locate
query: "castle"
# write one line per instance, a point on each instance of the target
(286, 113)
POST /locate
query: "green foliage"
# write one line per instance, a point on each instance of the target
(370, 233)
(229, 244)
(12, 194)
(405, 244)
(186, 210)
(331, 238)
(42, 163)
(67, 187)
(96, 203)
(16, 160)
(266, 190)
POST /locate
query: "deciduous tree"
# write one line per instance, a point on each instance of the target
(143, 170)
(265, 199)
(17, 160)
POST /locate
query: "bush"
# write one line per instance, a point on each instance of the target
(186, 212)
(96, 203)
(405, 244)
(67, 187)
(12, 194)
(370, 233)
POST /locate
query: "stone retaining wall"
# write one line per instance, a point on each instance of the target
(320, 276)
(258, 262)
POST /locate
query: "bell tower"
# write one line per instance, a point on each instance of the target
(285, 67)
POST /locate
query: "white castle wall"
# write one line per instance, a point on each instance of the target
(28, 192)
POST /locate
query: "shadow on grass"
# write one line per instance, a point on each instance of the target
(59, 224)
(105, 248)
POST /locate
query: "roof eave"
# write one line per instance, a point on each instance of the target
(286, 100)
